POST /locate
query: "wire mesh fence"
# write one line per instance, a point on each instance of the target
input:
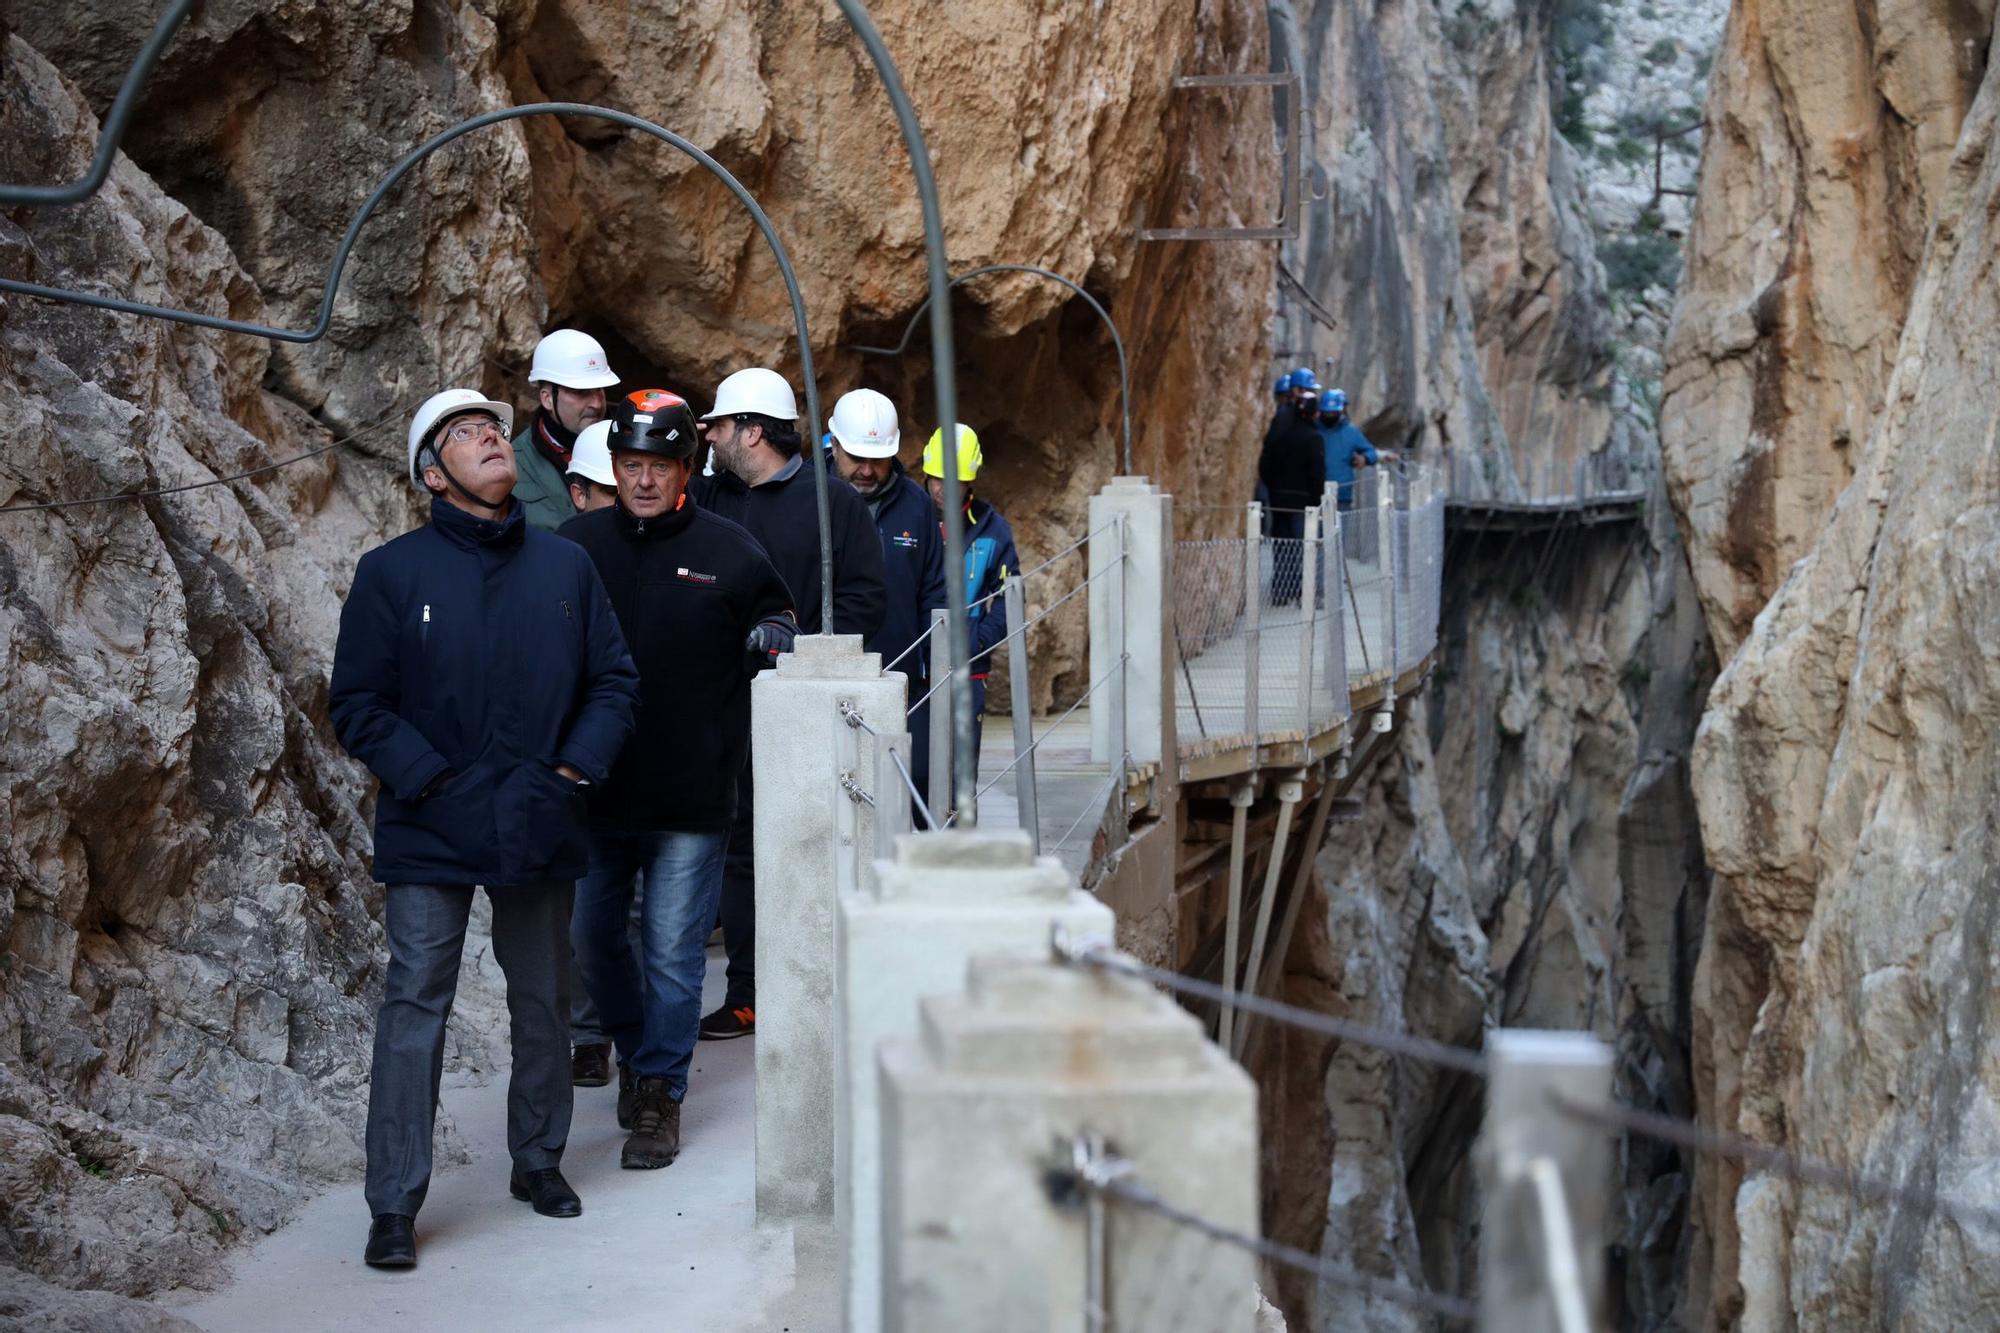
(1276, 630)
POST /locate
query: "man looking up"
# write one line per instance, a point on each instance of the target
(591, 482)
(481, 676)
(570, 374)
(764, 483)
(864, 437)
(990, 558)
(704, 610)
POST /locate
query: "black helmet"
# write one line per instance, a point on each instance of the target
(653, 421)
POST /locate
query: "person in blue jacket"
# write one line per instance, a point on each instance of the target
(481, 676)
(865, 436)
(1344, 444)
(990, 560)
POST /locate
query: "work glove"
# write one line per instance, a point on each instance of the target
(767, 639)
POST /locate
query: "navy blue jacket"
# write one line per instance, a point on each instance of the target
(487, 650)
(912, 573)
(990, 560)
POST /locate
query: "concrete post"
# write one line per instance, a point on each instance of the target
(1033, 1056)
(911, 933)
(795, 721)
(1148, 580)
(1546, 1177)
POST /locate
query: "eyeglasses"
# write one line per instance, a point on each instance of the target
(468, 429)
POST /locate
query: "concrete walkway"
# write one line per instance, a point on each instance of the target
(672, 1249)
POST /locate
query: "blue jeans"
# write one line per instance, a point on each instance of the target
(650, 1008)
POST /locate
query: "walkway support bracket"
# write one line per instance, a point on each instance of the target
(1287, 227)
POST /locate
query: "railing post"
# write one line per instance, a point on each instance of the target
(937, 791)
(936, 901)
(1385, 548)
(1308, 604)
(981, 1112)
(1143, 546)
(892, 806)
(1546, 1177)
(795, 719)
(1333, 558)
(1014, 597)
(1253, 624)
(1115, 687)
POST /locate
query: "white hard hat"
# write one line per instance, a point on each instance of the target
(591, 458)
(864, 422)
(572, 359)
(757, 391)
(449, 404)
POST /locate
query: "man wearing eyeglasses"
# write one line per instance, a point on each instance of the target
(481, 675)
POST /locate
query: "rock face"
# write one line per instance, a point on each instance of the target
(1453, 288)
(1844, 768)
(188, 947)
(1828, 146)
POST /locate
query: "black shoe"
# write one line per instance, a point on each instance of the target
(590, 1066)
(728, 1022)
(626, 1092)
(547, 1191)
(656, 1128)
(392, 1242)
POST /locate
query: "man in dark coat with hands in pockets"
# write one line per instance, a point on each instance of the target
(480, 674)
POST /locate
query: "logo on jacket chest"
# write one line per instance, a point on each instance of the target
(686, 575)
(906, 540)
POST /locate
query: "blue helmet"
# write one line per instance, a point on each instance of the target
(1283, 386)
(1303, 379)
(1333, 400)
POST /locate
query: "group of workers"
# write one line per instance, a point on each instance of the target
(551, 680)
(1310, 444)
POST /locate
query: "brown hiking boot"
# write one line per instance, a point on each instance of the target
(656, 1128)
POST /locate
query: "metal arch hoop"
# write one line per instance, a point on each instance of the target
(1118, 342)
(401, 169)
(112, 130)
(965, 787)
(857, 15)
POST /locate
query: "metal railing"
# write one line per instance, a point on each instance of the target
(1545, 483)
(1277, 630)
(933, 803)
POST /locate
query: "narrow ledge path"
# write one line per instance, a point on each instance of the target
(671, 1249)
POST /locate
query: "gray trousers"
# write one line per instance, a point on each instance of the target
(425, 924)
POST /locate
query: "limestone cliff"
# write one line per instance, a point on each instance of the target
(1828, 144)
(188, 947)
(1837, 341)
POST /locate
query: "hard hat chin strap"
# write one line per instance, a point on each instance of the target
(493, 511)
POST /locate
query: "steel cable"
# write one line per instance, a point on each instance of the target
(373, 428)
(1129, 1191)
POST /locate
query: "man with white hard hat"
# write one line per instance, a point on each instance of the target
(481, 675)
(570, 374)
(591, 482)
(763, 483)
(864, 437)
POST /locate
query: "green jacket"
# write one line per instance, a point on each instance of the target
(538, 486)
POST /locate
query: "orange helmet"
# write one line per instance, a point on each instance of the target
(653, 421)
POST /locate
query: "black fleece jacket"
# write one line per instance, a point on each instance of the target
(687, 588)
(783, 515)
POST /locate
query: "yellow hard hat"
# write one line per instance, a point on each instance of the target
(970, 460)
